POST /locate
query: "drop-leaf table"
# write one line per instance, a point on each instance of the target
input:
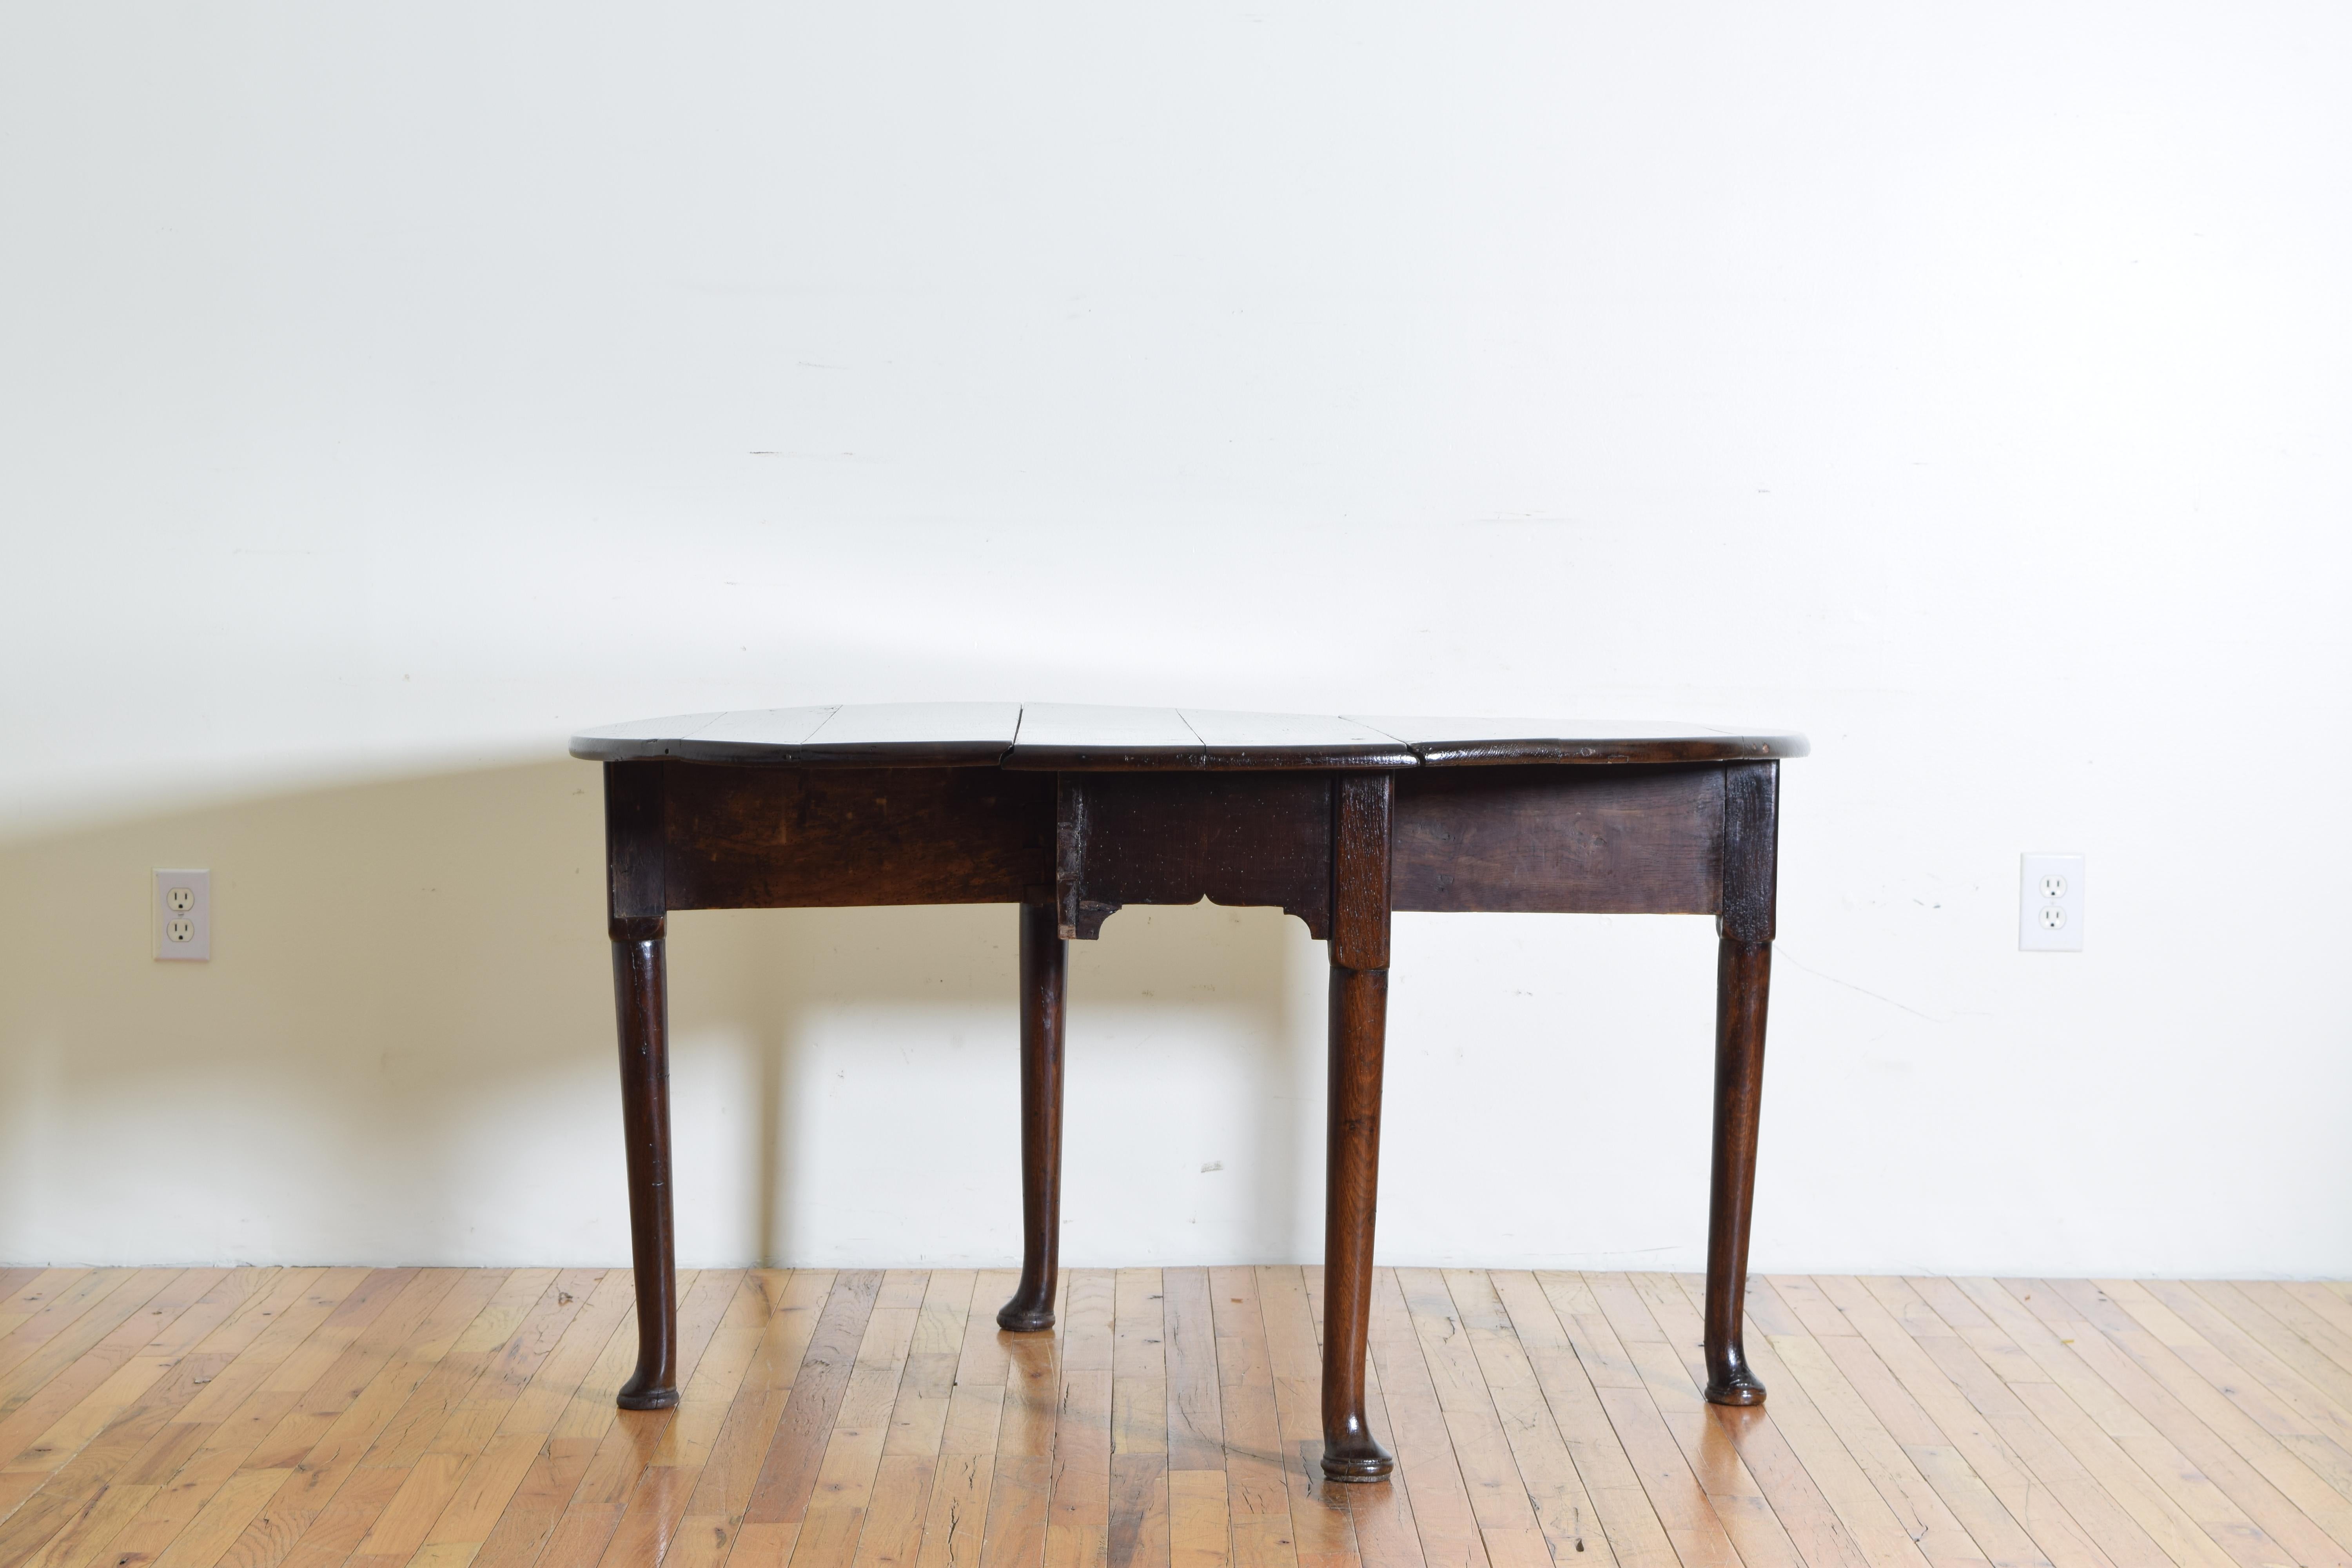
(1073, 812)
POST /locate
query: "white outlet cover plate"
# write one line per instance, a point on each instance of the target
(2050, 903)
(195, 890)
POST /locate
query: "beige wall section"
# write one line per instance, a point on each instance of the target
(376, 948)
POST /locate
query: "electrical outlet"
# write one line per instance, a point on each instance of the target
(2049, 904)
(183, 915)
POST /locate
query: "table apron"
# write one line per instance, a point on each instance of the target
(1560, 840)
(1667, 839)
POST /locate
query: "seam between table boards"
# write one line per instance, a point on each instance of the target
(1410, 749)
(1182, 719)
(830, 715)
(670, 746)
(1020, 717)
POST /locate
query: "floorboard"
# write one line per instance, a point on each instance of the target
(464, 1419)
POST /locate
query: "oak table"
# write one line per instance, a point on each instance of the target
(1072, 812)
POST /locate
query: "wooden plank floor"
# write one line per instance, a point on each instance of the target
(870, 1419)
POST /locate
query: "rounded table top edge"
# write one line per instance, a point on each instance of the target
(1496, 753)
(1425, 746)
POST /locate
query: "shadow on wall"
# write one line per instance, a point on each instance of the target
(402, 1051)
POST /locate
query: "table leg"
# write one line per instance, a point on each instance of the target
(641, 997)
(1743, 982)
(1360, 999)
(1361, 811)
(1044, 962)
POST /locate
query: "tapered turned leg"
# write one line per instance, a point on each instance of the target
(1360, 1000)
(1361, 809)
(1043, 964)
(640, 994)
(1743, 980)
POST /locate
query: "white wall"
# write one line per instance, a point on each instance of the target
(386, 391)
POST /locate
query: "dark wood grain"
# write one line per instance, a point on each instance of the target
(752, 734)
(1751, 850)
(1070, 737)
(641, 998)
(1743, 986)
(1450, 742)
(1742, 992)
(1249, 838)
(1072, 813)
(1044, 971)
(635, 814)
(874, 735)
(636, 885)
(913, 734)
(1559, 840)
(1235, 740)
(1074, 738)
(1361, 813)
(743, 838)
(1363, 816)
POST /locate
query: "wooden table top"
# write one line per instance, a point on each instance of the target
(1071, 737)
